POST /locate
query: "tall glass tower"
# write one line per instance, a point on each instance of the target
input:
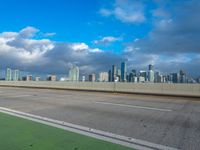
(151, 73)
(114, 72)
(16, 75)
(8, 74)
(74, 73)
(123, 71)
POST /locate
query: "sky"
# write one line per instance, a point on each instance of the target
(49, 36)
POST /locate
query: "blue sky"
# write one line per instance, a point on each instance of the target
(48, 36)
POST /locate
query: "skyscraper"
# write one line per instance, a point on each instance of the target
(119, 74)
(151, 74)
(114, 72)
(175, 77)
(8, 74)
(158, 78)
(92, 77)
(183, 78)
(110, 76)
(74, 73)
(123, 71)
(16, 75)
(103, 77)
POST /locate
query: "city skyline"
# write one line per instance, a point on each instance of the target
(94, 35)
(115, 74)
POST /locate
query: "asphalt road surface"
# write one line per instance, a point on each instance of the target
(169, 121)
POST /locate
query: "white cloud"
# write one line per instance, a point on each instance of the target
(107, 40)
(28, 32)
(128, 11)
(79, 46)
(96, 50)
(47, 56)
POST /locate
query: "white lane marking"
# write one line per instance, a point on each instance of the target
(134, 106)
(102, 135)
(16, 96)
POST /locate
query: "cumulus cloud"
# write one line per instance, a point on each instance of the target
(174, 38)
(28, 32)
(20, 50)
(107, 40)
(128, 11)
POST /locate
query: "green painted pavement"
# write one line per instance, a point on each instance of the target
(21, 134)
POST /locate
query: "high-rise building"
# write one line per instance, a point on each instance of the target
(143, 74)
(130, 79)
(119, 74)
(110, 76)
(123, 71)
(151, 74)
(158, 78)
(175, 77)
(8, 74)
(183, 77)
(150, 67)
(134, 72)
(114, 73)
(92, 77)
(16, 75)
(74, 73)
(103, 76)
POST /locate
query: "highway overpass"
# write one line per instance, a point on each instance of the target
(165, 120)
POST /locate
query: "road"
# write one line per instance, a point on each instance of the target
(169, 121)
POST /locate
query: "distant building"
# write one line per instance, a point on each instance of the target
(92, 77)
(27, 78)
(8, 74)
(130, 77)
(143, 74)
(119, 74)
(114, 72)
(158, 78)
(123, 72)
(135, 79)
(74, 73)
(103, 76)
(37, 78)
(151, 74)
(110, 76)
(116, 79)
(141, 79)
(83, 78)
(51, 78)
(183, 77)
(175, 77)
(16, 75)
(134, 72)
(64, 79)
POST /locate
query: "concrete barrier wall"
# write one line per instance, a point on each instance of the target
(143, 88)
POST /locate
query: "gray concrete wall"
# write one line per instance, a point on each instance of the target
(143, 88)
